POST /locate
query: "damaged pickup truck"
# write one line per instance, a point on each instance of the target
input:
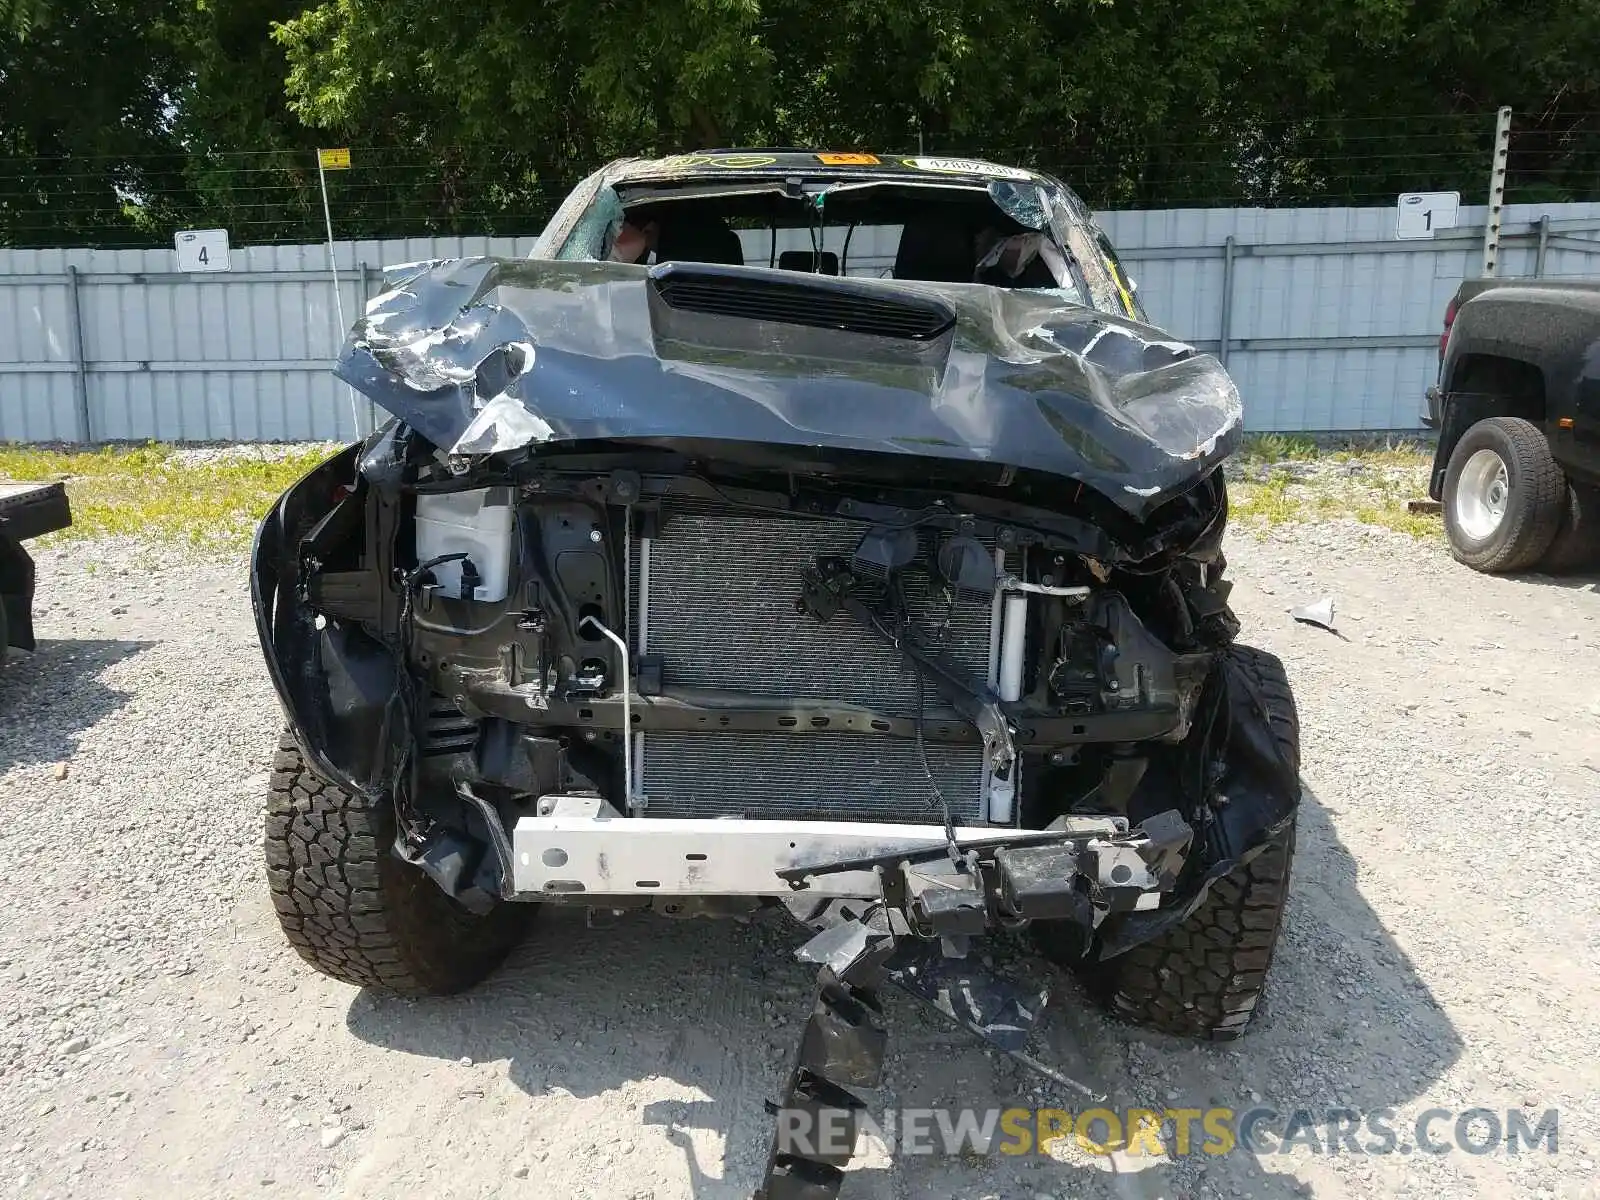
(891, 595)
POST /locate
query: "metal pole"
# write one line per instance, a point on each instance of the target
(1497, 194)
(1544, 246)
(338, 302)
(1225, 323)
(366, 295)
(80, 374)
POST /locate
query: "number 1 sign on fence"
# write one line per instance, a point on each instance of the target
(1419, 214)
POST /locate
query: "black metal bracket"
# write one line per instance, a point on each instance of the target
(829, 587)
(844, 1042)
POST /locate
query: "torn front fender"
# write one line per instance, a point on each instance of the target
(335, 683)
(1253, 796)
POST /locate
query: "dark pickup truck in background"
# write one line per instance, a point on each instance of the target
(1517, 407)
(27, 510)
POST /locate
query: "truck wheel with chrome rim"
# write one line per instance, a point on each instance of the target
(1504, 496)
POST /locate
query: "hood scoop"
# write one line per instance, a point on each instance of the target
(816, 301)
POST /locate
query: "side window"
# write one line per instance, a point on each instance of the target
(594, 231)
(1103, 290)
(558, 230)
(1126, 291)
(1109, 287)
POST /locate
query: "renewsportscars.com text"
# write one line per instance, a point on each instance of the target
(1175, 1131)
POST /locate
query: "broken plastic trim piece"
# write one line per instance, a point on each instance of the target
(1319, 614)
(983, 1003)
(844, 1042)
(503, 423)
(498, 842)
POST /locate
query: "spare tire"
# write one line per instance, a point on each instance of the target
(357, 912)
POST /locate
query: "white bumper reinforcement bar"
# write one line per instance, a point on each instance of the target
(610, 855)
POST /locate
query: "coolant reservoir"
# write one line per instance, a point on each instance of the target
(475, 523)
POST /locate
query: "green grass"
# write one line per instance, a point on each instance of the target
(150, 491)
(1260, 449)
(1270, 503)
(1277, 447)
(1388, 474)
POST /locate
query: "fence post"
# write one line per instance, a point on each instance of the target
(1497, 194)
(1225, 322)
(80, 374)
(1544, 246)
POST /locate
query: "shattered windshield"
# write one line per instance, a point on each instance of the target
(999, 234)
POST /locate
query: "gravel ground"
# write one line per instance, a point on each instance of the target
(206, 454)
(158, 1038)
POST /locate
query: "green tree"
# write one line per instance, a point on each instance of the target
(1256, 101)
(21, 17)
(476, 118)
(86, 147)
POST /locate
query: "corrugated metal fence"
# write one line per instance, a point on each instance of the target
(1325, 320)
(107, 345)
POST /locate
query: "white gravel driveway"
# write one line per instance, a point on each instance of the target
(157, 1037)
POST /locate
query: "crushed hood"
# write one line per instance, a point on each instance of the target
(484, 355)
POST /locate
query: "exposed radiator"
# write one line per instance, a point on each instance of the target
(821, 776)
(720, 608)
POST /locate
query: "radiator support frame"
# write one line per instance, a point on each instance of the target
(720, 610)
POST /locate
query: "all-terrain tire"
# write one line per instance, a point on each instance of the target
(1534, 504)
(356, 912)
(1577, 544)
(1203, 978)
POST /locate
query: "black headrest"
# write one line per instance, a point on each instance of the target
(936, 248)
(805, 260)
(698, 239)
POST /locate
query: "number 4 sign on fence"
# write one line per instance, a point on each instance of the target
(1419, 214)
(202, 249)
